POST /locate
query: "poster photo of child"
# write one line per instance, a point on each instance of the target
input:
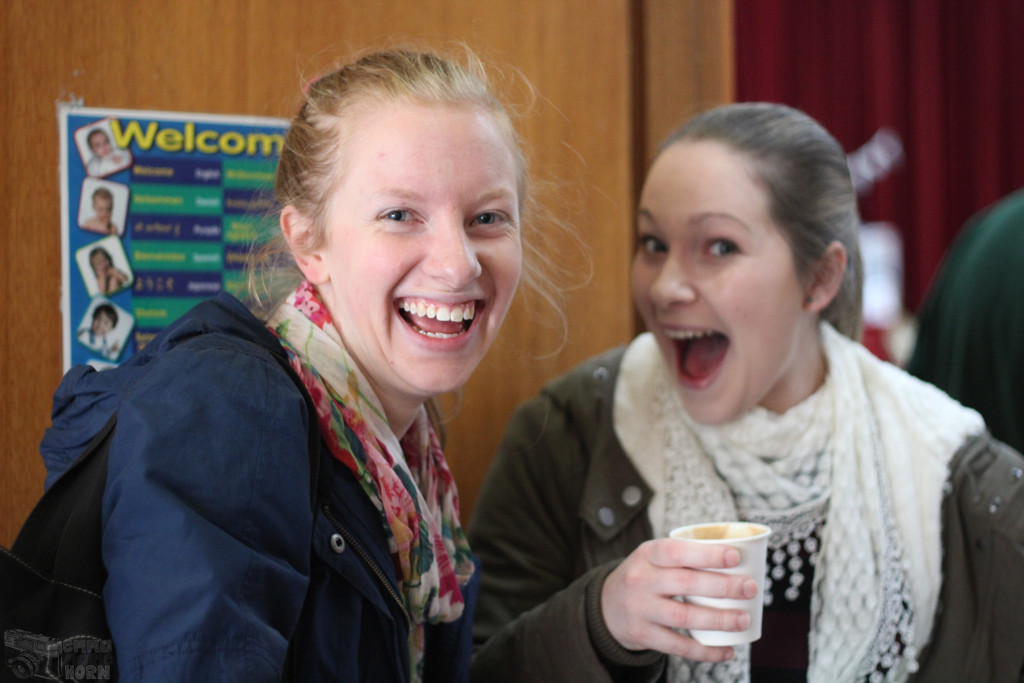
(100, 155)
(103, 207)
(104, 328)
(104, 266)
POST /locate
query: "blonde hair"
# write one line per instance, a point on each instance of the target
(309, 170)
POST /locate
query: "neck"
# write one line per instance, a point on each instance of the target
(810, 369)
(400, 413)
(400, 419)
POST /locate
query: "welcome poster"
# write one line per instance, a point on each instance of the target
(159, 211)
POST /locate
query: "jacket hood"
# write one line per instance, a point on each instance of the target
(86, 398)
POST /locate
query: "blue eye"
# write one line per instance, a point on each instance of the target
(488, 218)
(397, 215)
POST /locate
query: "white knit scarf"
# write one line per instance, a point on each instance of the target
(867, 454)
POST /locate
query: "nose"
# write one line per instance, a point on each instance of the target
(451, 254)
(672, 286)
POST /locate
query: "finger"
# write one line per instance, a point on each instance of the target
(653, 625)
(675, 581)
(677, 614)
(674, 643)
(709, 584)
(677, 552)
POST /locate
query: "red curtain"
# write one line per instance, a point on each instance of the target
(946, 75)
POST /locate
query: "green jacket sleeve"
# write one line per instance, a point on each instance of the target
(538, 618)
(979, 628)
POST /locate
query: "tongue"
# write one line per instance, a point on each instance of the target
(701, 357)
(435, 326)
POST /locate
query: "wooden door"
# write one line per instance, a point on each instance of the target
(587, 134)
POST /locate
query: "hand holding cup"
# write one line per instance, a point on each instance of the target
(640, 597)
(751, 541)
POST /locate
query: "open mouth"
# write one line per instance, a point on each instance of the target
(699, 354)
(435, 320)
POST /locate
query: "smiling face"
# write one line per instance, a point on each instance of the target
(714, 280)
(103, 207)
(100, 262)
(99, 143)
(422, 253)
(102, 323)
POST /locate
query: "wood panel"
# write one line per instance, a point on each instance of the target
(251, 57)
(688, 64)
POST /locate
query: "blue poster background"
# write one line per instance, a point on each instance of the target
(159, 211)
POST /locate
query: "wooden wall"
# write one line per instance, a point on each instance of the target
(613, 76)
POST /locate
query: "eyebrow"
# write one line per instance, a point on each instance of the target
(397, 192)
(499, 193)
(698, 219)
(407, 194)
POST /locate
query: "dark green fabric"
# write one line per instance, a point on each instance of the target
(970, 339)
(979, 623)
(545, 546)
(549, 525)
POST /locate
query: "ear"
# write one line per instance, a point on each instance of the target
(298, 232)
(826, 278)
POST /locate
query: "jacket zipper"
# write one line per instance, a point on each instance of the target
(350, 539)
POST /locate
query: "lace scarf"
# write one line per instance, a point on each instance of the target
(408, 480)
(823, 462)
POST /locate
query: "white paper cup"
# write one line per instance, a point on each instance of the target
(751, 540)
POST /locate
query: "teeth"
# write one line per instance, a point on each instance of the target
(437, 335)
(689, 334)
(455, 314)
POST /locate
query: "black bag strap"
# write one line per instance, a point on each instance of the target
(61, 537)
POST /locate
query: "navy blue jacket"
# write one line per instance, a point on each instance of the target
(217, 561)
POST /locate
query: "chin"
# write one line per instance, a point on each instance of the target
(441, 382)
(711, 420)
(701, 412)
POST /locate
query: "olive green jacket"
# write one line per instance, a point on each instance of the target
(562, 504)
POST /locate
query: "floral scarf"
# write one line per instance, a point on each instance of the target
(407, 480)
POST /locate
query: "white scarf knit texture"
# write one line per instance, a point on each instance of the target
(866, 456)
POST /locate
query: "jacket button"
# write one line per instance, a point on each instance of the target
(337, 543)
(631, 495)
(606, 516)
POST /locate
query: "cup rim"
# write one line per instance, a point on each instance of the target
(765, 531)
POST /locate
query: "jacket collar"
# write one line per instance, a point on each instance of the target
(614, 493)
